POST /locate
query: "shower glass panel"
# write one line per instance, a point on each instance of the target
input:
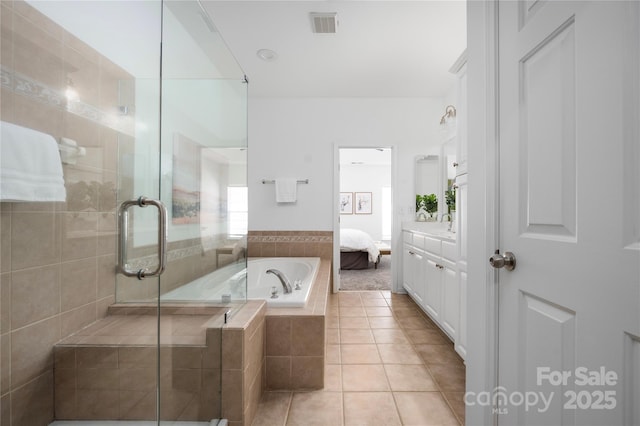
(137, 98)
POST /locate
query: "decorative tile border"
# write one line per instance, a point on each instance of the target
(290, 238)
(26, 86)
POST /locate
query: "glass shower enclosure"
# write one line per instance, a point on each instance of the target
(144, 256)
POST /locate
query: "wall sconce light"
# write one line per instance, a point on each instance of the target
(449, 115)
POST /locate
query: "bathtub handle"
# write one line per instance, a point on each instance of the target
(123, 221)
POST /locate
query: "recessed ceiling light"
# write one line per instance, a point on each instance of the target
(267, 55)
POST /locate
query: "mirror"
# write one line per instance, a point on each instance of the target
(427, 176)
(448, 173)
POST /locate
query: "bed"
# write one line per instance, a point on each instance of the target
(357, 250)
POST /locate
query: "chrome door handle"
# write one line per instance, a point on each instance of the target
(506, 260)
(123, 220)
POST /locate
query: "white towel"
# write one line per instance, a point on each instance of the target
(30, 167)
(286, 190)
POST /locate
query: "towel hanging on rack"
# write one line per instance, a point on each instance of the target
(286, 190)
(30, 166)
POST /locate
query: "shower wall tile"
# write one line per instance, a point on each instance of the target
(35, 115)
(5, 409)
(32, 350)
(35, 240)
(106, 275)
(78, 318)
(290, 244)
(78, 283)
(5, 363)
(5, 240)
(81, 68)
(79, 235)
(5, 303)
(35, 295)
(32, 404)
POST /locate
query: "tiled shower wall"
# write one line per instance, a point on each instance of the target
(290, 244)
(57, 259)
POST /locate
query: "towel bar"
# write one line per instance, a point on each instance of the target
(266, 181)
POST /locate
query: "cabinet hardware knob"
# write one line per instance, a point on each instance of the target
(455, 164)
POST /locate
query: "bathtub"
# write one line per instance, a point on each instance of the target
(230, 283)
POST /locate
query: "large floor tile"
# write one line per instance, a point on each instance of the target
(409, 378)
(370, 409)
(424, 409)
(315, 409)
(273, 409)
(368, 377)
(359, 354)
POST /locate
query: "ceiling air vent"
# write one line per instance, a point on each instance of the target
(324, 23)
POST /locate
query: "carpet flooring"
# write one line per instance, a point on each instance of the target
(368, 279)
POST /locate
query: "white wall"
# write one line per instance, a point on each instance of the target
(295, 137)
(365, 178)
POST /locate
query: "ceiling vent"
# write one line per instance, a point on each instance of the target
(324, 23)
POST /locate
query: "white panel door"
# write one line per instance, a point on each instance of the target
(568, 121)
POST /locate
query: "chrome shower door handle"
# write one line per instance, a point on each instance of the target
(123, 221)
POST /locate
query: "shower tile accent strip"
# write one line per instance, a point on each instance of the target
(290, 244)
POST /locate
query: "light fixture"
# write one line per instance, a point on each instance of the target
(267, 55)
(449, 115)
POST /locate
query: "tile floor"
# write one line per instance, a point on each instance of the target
(386, 364)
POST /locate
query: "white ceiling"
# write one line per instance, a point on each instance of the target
(381, 48)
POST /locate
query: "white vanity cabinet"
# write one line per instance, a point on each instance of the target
(413, 266)
(431, 278)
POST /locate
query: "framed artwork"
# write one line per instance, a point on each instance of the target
(346, 203)
(363, 203)
(186, 181)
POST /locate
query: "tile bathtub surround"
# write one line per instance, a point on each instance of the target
(290, 244)
(295, 340)
(368, 381)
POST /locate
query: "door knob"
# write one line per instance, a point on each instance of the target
(506, 260)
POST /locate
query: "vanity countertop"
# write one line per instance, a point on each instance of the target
(432, 229)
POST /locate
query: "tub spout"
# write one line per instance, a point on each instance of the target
(286, 285)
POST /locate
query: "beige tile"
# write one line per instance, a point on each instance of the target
(32, 404)
(389, 335)
(356, 335)
(456, 403)
(352, 311)
(315, 408)
(370, 409)
(79, 235)
(307, 336)
(376, 311)
(364, 295)
(333, 336)
(438, 354)
(424, 408)
(307, 372)
(273, 409)
(5, 303)
(332, 354)
(426, 336)
(354, 322)
(106, 276)
(349, 300)
(137, 405)
(381, 302)
(450, 378)
(413, 323)
(97, 357)
(32, 350)
(35, 240)
(367, 377)
(359, 354)
(75, 319)
(98, 404)
(5, 239)
(332, 378)
(78, 283)
(5, 363)
(97, 378)
(333, 321)
(383, 322)
(398, 354)
(409, 378)
(35, 295)
(5, 409)
(64, 357)
(232, 406)
(278, 372)
(278, 335)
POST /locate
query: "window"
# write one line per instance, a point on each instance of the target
(238, 210)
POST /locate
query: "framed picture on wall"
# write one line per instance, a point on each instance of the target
(363, 203)
(346, 203)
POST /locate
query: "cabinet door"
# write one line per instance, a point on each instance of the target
(407, 269)
(461, 337)
(433, 292)
(450, 300)
(461, 122)
(419, 284)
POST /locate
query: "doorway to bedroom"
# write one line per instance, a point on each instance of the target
(365, 218)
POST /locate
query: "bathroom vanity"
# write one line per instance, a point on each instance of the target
(431, 277)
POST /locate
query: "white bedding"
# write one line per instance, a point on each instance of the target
(357, 240)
